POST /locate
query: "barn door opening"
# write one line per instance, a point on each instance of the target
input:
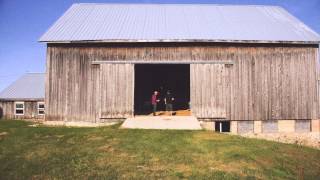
(162, 78)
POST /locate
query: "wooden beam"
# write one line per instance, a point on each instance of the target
(161, 62)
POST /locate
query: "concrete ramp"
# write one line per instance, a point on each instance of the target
(162, 122)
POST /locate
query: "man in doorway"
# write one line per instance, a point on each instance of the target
(161, 96)
(154, 102)
(168, 100)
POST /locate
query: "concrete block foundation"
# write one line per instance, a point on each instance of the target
(257, 127)
(208, 125)
(260, 127)
(286, 126)
(315, 125)
(234, 127)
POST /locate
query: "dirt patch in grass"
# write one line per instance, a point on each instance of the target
(206, 135)
(107, 148)
(184, 168)
(3, 133)
(94, 138)
(59, 136)
(36, 153)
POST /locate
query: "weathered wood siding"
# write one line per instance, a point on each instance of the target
(117, 90)
(266, 82)
(7, 110)
(72, 86)
(264, 85)
(209, 90)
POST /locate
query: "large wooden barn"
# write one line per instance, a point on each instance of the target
(251, 68)
(24, 98)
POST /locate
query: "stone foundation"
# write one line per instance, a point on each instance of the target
(257, 127)
(286, 126)
(281, 126)
(234, 127)
(315, 125)
(208, 125)
(311, 139)
(286, 131)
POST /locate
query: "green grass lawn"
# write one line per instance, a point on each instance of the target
(112, 153)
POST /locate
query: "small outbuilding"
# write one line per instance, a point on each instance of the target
(24, 99)
(235, 67)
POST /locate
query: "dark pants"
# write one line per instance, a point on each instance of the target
(154, 109)
(168, 107)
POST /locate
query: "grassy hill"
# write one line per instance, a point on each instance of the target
(110, 153)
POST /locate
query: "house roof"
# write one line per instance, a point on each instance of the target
(29, 86)
(178, 23)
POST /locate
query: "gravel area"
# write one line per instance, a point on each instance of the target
(311, 139)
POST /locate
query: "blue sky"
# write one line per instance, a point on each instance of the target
(22, 22)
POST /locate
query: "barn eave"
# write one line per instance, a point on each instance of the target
(21, 99)
(182, 40)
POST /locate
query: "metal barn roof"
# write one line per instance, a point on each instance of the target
(30, 86)
(178, 23)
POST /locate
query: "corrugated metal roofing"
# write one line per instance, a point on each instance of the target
(29, 86)
(178, 22)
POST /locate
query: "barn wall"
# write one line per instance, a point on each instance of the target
(210, 90)
(7, 109)
(263, 84)
(266, 82)
(117, 92)
(30, 110)
(72, 86)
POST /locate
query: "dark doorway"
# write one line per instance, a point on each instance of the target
(161, 77)
(222, 126)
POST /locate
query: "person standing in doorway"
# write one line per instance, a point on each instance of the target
(168, 101)
(161, 95)
(154, 101)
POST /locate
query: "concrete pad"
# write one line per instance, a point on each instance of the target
(162, 122)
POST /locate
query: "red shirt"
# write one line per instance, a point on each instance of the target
(154, 99)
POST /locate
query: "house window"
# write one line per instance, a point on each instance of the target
(40, 108)
(19, 108)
